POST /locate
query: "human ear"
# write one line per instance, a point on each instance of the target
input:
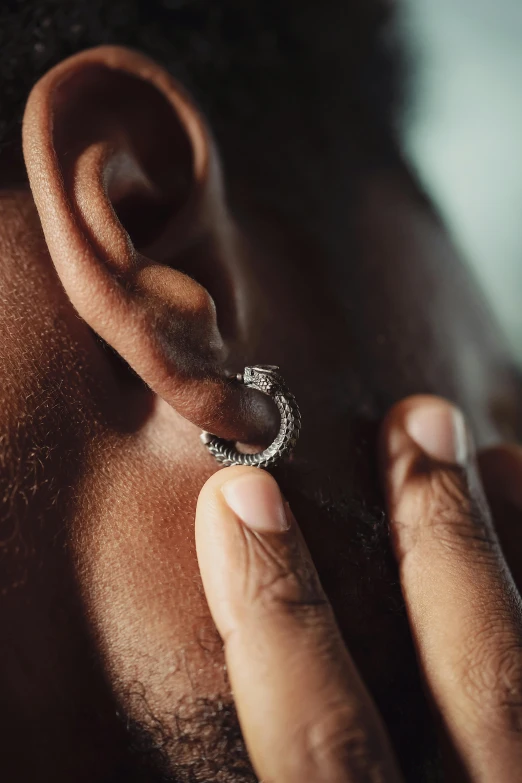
(127, 183)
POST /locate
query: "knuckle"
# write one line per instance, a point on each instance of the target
(492, 679)
(279, 578)
(456, 519)
(338, 745)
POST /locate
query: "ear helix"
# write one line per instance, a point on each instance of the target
(99, 126)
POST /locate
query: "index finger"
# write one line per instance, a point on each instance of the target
(303, 709)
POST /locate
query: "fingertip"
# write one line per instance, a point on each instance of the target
(213, 514)
(212, 486)
(393, 436)
(220, 545)
(235, 503)
(424, 441)
(397, 450)
(252, 494)
(256, 500)
(427, 424)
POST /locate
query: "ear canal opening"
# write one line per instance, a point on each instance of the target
(146, 155)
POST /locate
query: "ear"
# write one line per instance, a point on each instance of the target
(127, 184)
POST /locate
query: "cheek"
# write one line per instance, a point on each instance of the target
(140, 580)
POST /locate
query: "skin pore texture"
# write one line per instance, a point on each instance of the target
(149, 254)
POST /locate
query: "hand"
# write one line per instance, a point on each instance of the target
(304, 712)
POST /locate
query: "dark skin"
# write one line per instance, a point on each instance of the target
(101, 604)
(304, 711)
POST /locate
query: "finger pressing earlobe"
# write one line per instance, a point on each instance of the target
(303, 709)
(464, 611)
(127, 184)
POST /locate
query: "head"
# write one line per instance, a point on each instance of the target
(231, 194)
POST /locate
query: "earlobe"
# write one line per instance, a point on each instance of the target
(127, 183)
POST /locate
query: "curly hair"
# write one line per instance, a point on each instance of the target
(235, 56)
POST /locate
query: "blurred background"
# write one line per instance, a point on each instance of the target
(464, 133)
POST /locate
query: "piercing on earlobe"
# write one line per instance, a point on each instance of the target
(266, 379)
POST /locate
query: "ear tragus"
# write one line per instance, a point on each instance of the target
(125, 178)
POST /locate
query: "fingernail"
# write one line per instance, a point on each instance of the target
(440, 430)
(255, 498)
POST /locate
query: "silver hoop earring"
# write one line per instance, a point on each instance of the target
(265, 378)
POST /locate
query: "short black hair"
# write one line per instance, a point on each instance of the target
(233, 55)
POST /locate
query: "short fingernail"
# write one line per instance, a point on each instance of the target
(440, 430)
(256, 499)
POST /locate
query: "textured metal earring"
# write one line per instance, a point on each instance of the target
(265, 378)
